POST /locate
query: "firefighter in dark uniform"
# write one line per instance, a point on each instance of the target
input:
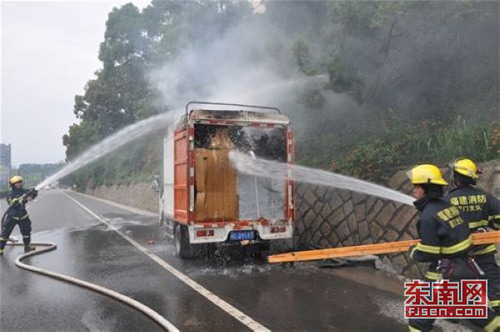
(16, 214)
(445, 238)
(480, 210)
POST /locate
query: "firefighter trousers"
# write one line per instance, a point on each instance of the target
(491, 270)
(8, 226)
(427, 324)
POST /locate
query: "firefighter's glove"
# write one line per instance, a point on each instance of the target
(32, 193)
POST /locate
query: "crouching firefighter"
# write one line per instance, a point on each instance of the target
(481, 210)
(445, 239)
(16, 214)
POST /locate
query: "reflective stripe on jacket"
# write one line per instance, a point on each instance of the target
(443, 232)
(479, 209)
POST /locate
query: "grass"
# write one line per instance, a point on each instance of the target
(430, 142)
(460, 139)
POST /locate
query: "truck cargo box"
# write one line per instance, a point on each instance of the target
(205, 199)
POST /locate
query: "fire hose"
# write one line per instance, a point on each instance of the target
(49, 246)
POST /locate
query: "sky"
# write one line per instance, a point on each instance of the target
(48, 52)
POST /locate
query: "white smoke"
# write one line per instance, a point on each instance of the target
(250, 63)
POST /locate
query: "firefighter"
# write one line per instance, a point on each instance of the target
(445, 238)
(480, 210)
(16, 213)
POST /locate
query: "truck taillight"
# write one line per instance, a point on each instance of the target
(278, 229)
(205, 232)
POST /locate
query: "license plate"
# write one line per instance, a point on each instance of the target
(241, 235)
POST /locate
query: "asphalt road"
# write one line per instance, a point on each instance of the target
(303, 297)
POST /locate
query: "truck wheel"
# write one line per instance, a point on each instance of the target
(182, 246)
(263, 250)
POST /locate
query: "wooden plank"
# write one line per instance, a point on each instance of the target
(369, 249)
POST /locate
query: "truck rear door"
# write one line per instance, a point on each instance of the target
(181, 160)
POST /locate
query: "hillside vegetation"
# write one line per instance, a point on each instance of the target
(406, 81)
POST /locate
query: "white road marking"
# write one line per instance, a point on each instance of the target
(235, 313)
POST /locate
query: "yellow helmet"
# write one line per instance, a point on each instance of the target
(423, 174)
(15, 179)
(467, 168)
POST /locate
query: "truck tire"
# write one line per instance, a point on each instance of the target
(183, 248)
(263, 250)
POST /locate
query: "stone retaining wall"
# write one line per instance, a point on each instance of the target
(138, 195)
(329, 217)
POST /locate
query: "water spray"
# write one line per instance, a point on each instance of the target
(113, 142)
(252, 154)
(277, 170)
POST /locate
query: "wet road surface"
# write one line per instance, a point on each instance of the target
(303, 297)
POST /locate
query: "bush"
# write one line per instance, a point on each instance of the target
(4, 192)
(138, 161)
(429, 142)
(495, 142)
(372, 160)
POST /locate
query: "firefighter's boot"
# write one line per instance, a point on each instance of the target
(1, 252)
(29, 247)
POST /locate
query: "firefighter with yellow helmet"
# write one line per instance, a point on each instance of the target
(16, 213)
(445, 238)
(481, 210)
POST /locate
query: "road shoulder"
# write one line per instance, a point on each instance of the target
(118, 205)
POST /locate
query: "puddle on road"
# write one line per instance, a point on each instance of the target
(228, 262)
(61, 230)
(393, 308)
(231, 272)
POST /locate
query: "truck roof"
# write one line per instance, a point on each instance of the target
(237, 117)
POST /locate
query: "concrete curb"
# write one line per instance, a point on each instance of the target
(118, 205)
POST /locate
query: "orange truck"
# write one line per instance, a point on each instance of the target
(204, 201)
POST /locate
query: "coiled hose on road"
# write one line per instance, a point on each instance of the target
(49, 246)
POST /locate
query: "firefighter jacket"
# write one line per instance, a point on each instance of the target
(443, 233)
(479, 209)
(16, 201)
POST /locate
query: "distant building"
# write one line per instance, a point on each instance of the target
(5, 166)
